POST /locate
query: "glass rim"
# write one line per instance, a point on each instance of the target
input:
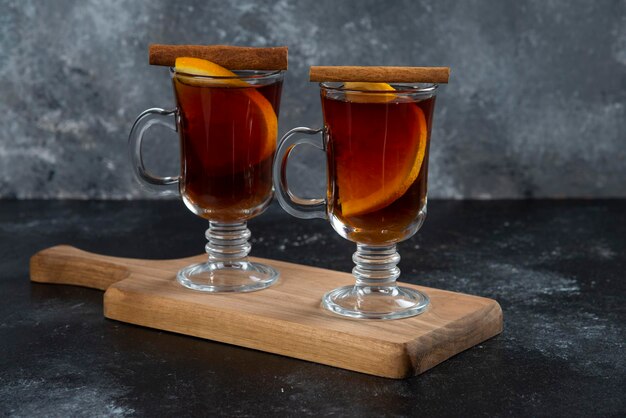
(240, 74)
(405, 88)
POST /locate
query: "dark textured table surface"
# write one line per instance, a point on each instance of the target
(556, 267)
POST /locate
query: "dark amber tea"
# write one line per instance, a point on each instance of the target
(226, 117)
(376, 136)
(228, 139)
(378, 158)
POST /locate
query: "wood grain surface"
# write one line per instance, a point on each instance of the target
(284, 319)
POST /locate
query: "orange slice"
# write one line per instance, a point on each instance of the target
(361, 97)
(197, 66)
(359, 199)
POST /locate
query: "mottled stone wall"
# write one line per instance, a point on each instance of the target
(535, 106)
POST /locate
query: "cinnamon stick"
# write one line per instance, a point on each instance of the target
(380, 74)
(231, 57)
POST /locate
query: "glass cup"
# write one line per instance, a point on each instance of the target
(227, 128)
(376, 144)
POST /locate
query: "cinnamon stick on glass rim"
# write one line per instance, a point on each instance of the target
(380, 74)
(230, 57)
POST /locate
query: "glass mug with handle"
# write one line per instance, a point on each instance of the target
(376, 138)
(227, 125)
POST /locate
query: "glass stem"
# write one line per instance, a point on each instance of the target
(376, 266)
(228, 242)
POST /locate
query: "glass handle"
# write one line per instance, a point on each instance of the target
(145, 121)
(294, 205)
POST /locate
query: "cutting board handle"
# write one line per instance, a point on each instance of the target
(64, 264)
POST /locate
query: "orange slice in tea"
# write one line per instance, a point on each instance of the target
(197, 66)
(363, 97)
(362, 197)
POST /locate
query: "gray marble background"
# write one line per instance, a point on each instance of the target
(535, 106)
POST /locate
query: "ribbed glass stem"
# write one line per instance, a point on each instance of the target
(376, 267)
(228, 242)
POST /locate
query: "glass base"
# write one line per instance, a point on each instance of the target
(367, 302)
(238, 276)
(375, 294)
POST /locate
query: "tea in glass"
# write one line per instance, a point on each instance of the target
(227, 123)
(378, 156)
(228, 140)
(376, 137)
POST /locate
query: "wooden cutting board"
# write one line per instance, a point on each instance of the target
(283, 319)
